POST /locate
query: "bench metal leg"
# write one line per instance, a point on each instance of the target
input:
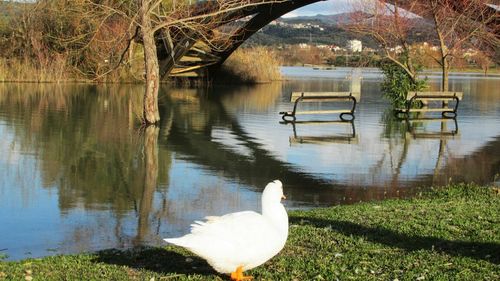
(351, 113)
(287, 114)
(286, 117)
(453, 113)
(449, 114)
(409, 105)
(347, 119)
(399, 112)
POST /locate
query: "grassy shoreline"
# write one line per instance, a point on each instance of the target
(449, 233)
(245, 66)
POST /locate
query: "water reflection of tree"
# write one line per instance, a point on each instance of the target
(394, 128)
(195, 121)
(197, 118)
(90, 151)
(481, 167)
(394, 134)
(88, 146)
(442, 147)
(249, 98)
(150, 180)
(397, 133)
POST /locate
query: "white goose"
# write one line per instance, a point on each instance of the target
(240, 241)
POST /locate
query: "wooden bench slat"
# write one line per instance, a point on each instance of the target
(430, 120)
(323, 99)
(429, 109)
(459, 95)
(437, 99)
(435, 93)
(441, 136)
(329, 94)
(323, 111)
(323, 123)
(325, 140)
(314, 96)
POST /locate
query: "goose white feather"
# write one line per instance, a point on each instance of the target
(244, 239)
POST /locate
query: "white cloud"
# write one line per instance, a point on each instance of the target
(292, 14)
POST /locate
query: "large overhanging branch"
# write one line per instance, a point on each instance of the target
(218, 10)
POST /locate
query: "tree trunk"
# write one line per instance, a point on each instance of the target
(151, 114)
(446, 66)
(443, 50)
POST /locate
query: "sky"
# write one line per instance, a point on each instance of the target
(326, 8)
(330, 7)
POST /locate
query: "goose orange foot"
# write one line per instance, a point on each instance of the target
(237, 275)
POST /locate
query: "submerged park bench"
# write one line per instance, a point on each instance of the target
(318, 97)
(417, 129)
(331, 136)
(442, 98)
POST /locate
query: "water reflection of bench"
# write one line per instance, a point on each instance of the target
(442, 99)
(319, 97)
(349, 137)
(444, 133)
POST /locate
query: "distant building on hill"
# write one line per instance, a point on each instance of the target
(354, 46)
(304, 46)
(337, 49)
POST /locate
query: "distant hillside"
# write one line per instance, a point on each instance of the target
(325, 29)
(330, 35)
(335, 19)
(343, 18)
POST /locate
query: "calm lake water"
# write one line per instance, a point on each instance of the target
(77, 174)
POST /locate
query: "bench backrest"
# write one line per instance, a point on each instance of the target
(436, 95)
(323, 96)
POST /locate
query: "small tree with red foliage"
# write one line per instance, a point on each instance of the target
(390, 26)
(460, 25)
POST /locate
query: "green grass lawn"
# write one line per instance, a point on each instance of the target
(451, 233)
